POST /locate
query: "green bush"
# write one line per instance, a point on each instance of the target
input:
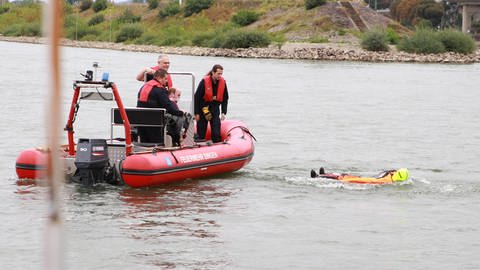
(175, 41)
(318, 39)
(204, 40)
(152, 4)
(423, 23)
(149, 39)
(85, 4)
(456, 41)
(375, 40)
(169, 10)
(218, 41)
(392, 36)
(96, 19)
(423, 41)
(342, 32)
(23, 29)
(129, 32)
(129, 17)
(100, 5)
(309, 4)
(80, 31)
(245, 17)
(70, 20)
(33, 29)
(13, 30)
(429, 41)
(174, 35)
(4, 9)
(245, 39)
(195, 6)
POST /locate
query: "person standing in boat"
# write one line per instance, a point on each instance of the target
(153, 94)
(211, 102)
(146, 74)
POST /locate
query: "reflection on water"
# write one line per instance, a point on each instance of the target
(175, 207)
(182, 215)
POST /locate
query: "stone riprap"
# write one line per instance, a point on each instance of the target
(328, 51)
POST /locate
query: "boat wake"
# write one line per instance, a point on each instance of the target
(328, 183)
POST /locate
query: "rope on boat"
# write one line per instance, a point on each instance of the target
(176, 160)
(99, 94)
(77, 107)
(245, 130)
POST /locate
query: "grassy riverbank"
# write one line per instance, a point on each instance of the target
(279, 29)
(164, 25)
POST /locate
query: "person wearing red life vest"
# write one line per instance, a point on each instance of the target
(146, 74)
(211, 102)
(153, 94)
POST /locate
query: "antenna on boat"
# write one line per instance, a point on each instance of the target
(54, 241)
(95, 66)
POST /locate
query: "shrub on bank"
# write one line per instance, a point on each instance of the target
(128, 17)
(99, 5)
(203, 40)
(129, 32)
(152, 4)
(23, 29)
(245, 39)
(96, 19)
(85, 5)
(423, 41)
(81, 31)
(456, 41)
(375, 40)
(171, 9)
(392, 36)
(148, 39)
(245, 17)
(430, 41)
(4, 9)
(195, 6)
(173, 35)
(309, 4)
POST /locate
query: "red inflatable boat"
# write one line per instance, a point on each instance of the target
(122, 160)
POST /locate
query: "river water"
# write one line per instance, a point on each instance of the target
(348, 117)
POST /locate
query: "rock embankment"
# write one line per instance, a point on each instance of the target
(330, 51)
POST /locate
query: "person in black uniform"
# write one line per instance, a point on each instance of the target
(153, 94)
(211, 102)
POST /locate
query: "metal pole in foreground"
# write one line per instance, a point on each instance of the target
(53, 241)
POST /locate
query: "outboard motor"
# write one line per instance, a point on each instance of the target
(92, 162)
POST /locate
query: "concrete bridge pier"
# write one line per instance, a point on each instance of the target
(470, 8)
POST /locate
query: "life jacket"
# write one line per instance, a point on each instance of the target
(169, 78)
(208, 97)
(385, 179)
(146, 89)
